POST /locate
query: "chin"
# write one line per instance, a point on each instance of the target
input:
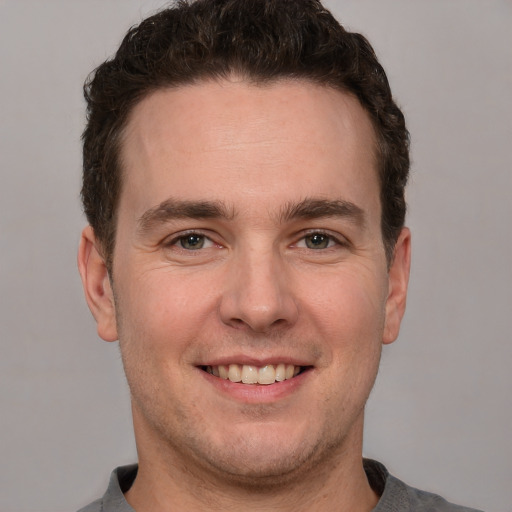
(266, 461)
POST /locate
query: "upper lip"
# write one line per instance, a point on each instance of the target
(256, 361)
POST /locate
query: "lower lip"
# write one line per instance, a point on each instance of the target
(257, 393)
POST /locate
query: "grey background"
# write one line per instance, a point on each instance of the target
(440, 416)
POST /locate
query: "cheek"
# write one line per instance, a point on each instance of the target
(162, 295)
(349, 318)
(349, 307)
(157, 327)
(164, 311)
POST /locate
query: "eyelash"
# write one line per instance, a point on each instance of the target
(183, 236)
(331, 238)
(338, 241)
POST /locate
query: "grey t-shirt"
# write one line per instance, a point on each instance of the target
(395, 496)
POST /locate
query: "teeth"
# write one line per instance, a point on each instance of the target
(280, 372)
(267, 375)
(223, 371)
(235, 373)
(249, 374)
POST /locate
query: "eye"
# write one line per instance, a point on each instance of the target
(192, 242)
(318, 241)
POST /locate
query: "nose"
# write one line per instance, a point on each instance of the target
(258, 293)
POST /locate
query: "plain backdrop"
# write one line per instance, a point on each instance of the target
(440, 416)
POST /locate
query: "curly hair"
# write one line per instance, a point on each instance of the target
(259, 40)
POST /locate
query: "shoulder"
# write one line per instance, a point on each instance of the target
(95, 506)
(419, 500)
(113, 500)
(396, 496)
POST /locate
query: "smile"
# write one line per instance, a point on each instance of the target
(250, 374)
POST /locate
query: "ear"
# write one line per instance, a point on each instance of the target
(398, 278)
(97, 286)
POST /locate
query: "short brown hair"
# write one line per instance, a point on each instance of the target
(261, 40)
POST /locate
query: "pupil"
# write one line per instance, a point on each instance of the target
(318, 241)
(192, 242)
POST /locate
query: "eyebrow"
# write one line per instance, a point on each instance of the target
(179, 209)
(312, 208)
(309, 208)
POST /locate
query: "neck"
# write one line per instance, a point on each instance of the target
(167, 482)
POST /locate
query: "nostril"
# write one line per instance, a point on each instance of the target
(237, 323)
(258, 299)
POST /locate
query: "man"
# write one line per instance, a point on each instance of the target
(244, 174)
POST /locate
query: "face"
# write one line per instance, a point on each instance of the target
(249, 247)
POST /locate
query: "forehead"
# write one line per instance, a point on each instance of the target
(213, 138)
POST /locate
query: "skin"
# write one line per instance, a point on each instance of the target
(281, 166)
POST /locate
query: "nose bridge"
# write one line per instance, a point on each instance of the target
(258, 294)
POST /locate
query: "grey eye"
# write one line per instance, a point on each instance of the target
(192, 242)
(317, 241)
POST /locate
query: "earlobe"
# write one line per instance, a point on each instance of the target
(398, 282)
(96, 284)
